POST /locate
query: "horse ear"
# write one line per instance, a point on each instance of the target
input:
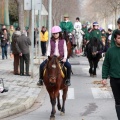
(49, 58)
(59, 58)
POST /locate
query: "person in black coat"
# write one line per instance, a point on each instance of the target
(15, 36)
(22, 46)
(4, 42)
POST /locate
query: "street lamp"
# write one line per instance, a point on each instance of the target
(50, 18)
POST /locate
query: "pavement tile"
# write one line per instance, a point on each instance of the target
(23, 90)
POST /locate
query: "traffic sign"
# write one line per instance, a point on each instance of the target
(28, 4)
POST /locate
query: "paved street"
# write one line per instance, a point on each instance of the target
(87, 99)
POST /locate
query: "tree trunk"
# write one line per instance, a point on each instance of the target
(115, 18)
(21, 13)
(6, 13)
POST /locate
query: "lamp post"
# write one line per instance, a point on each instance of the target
(50, 18)
(39, 23)
(32, 40)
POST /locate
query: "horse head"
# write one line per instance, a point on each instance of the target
(53, 69)
(67, 36)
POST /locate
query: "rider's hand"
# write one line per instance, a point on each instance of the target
(96, 52)
(20, 54)
(104, 82)
(64, 59)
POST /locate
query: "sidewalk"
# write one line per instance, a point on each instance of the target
(23, 90)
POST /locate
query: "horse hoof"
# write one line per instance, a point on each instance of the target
(59, 109)
(52, 117)
(91, 75)
(94, 75)
(62, 113)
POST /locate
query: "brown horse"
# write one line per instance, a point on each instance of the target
(54, 81)
(70, 45)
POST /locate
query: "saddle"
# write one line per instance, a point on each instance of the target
(63, 70)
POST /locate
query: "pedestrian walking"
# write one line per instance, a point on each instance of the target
(112, 38)
(4, 42)
(111, 68)
(44, 39)
(22, 46)
(15, 52)
(109, 36)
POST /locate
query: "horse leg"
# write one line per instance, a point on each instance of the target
(71, 71)
(53, 102)
(64, 98)
(59, 105)
(95, 66)
(91, 67)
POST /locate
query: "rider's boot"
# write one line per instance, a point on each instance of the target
(118, 111)
(40, 82)
(67, 82)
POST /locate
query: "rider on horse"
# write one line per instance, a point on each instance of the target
(67, 28)
(66, 25)
(57, 46)
(95, 32)
(77, 24)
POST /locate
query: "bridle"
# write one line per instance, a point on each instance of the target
(53, 66)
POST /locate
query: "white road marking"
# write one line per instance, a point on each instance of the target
(70, 94)
(98, 93)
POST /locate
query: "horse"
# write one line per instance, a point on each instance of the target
(93, 56)
(69, 37)
(55, 81)
(78, 33)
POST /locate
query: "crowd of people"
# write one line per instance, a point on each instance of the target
(19, 44)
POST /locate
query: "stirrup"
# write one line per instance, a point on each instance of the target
(67, 82)
(40, 82)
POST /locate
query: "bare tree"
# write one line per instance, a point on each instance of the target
(61, 7)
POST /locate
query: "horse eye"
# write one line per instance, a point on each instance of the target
(53, 66)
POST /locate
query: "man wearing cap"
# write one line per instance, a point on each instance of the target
(66, 25)
(22, 46)
(95, 32)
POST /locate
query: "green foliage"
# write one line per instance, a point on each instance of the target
(13, 12)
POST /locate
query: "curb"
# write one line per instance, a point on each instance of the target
(19, 108)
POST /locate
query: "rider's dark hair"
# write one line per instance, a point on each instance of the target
(60, 36)
(89, 29)
(78, 18)
(18, 28)
(109, 30)
(117, 32)
(118, 21)
(102, 30)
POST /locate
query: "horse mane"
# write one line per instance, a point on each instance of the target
(94, 42)
(53, 59)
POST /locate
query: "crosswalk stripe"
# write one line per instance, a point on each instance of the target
(99, 93)
(70, 94)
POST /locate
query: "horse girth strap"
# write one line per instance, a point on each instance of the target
(62, 73)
